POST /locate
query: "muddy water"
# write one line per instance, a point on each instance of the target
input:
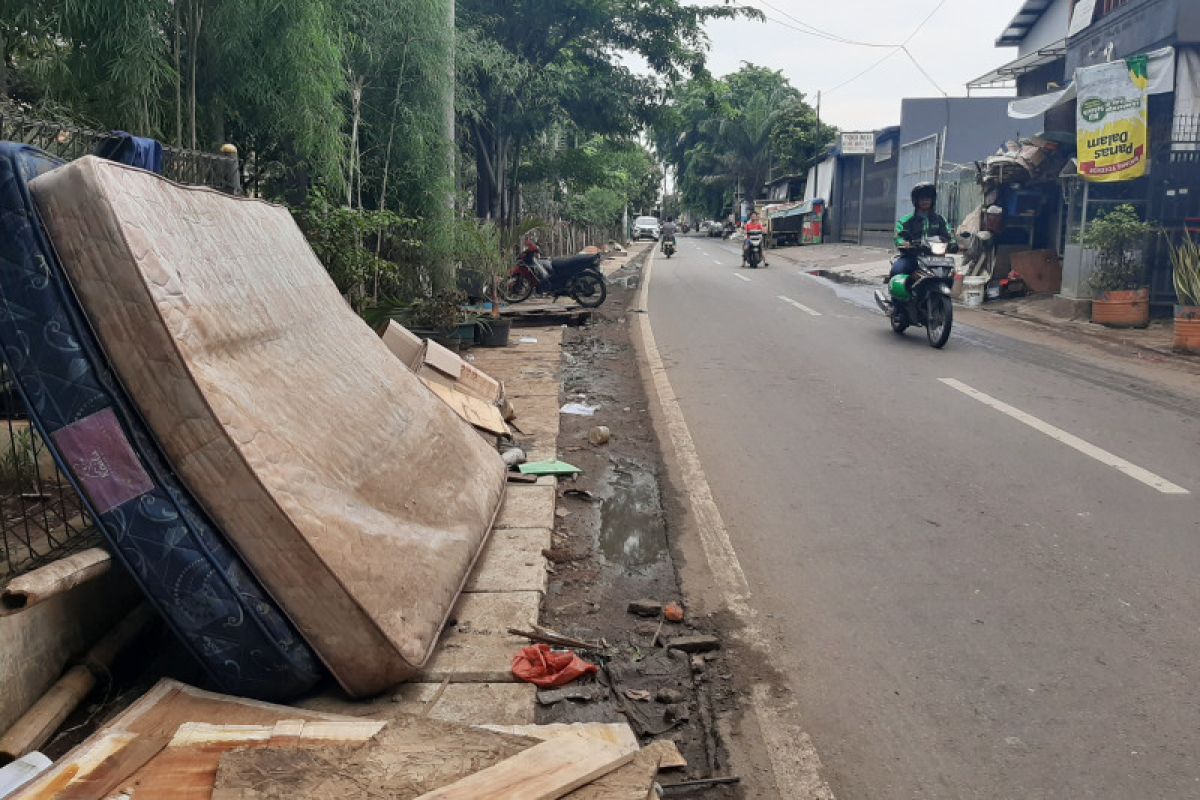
(632, 531)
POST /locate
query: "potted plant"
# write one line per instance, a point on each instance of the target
(1185, 270)
(438, 316)
(1118, 239)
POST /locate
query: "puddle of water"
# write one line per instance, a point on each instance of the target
(633, 531)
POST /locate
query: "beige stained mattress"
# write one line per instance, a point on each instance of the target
(357, 496)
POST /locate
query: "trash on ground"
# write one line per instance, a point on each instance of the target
(541, 666)
(673, 612)
(578, 409)
(581, 694)
(20, 772)
(599, 435)
(528, 340)
(640, 695)
(549, 468)
(514, 457)
(555, 639)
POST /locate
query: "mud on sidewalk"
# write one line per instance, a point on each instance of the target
(612, 547)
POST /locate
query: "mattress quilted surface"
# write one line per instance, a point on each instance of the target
(152, 525)
(353, 493)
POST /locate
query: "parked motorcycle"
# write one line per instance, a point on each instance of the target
(754, 249)
(576, 276)
(668, 246)
(923, 298)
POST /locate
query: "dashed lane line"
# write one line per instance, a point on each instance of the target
(1070, 440)
(810, 311)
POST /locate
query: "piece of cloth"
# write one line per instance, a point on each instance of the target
(136, 151)
(547, 669)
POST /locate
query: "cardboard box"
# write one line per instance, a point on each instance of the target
(1041, 269)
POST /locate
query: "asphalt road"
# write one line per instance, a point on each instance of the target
(980, 565)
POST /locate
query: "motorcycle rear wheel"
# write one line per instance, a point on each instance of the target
(939, 317)
(589, 290)
(516, 288)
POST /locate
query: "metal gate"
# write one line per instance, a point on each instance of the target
(918, 164)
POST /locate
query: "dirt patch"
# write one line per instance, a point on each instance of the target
(612, 546)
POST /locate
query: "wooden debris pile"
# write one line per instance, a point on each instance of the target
(181, 743)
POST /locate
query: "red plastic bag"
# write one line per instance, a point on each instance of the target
(543, 667)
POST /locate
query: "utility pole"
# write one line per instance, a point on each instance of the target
(817, 168)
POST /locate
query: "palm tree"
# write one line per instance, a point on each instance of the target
(742, 143)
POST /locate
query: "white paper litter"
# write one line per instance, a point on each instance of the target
(578, 409)
(527, 340)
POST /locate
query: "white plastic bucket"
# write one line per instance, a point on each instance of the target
(973, 288)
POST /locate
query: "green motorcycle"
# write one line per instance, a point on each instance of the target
(923, 298)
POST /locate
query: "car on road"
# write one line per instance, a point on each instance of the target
(646, 228)
(716, 229)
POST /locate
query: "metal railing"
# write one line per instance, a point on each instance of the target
(41, 516)
(70, 142)
(1185, 139)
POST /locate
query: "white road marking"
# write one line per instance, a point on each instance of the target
(801, 306)
(1070, 440)
(790, 751)
(741, 277)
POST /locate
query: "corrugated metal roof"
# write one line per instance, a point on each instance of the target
(1031, 11)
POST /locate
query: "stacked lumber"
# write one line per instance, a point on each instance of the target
(180, 743)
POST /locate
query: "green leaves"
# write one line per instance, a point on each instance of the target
(739, 131)
(1119, 239)
(1185, 263)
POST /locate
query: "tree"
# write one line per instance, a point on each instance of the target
(736, 134)
(520, 79)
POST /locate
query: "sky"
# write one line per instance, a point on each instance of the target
(956, 45)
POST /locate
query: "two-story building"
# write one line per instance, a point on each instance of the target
(1054, 39)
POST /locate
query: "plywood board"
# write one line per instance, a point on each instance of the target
(408, 758)
(633, 781)
(545, 772)
(152, 722)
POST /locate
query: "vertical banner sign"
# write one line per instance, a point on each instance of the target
(1112, 120)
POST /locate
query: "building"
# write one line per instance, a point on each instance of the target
(1039, 32)
(940, 140)
(1101, 31)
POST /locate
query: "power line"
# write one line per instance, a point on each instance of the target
(814, 30)
(897, 49)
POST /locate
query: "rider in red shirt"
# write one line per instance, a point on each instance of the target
(753, 226)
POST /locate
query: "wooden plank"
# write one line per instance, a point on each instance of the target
(155, 718)
(671, 757)
(545, 772)
(634, 781)
(411, 756)
(187, 768)
(57, 577)
(618, 734)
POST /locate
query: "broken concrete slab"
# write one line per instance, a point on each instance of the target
(471, 703)
(694, 644)
(527, 507)
(645, 608)
(478, 647)
(512, 561)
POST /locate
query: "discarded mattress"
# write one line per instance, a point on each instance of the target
(355, 495)
(152, 524)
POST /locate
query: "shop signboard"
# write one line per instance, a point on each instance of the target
(858, 144)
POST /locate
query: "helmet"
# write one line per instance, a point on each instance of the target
(924, 190)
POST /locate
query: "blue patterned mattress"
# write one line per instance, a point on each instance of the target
(183, 564)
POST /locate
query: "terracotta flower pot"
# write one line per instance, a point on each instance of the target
(1187, 329)
(1129, 309)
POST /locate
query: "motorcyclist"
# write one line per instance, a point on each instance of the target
(911, 229)
(754, 225)
(669, 229)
